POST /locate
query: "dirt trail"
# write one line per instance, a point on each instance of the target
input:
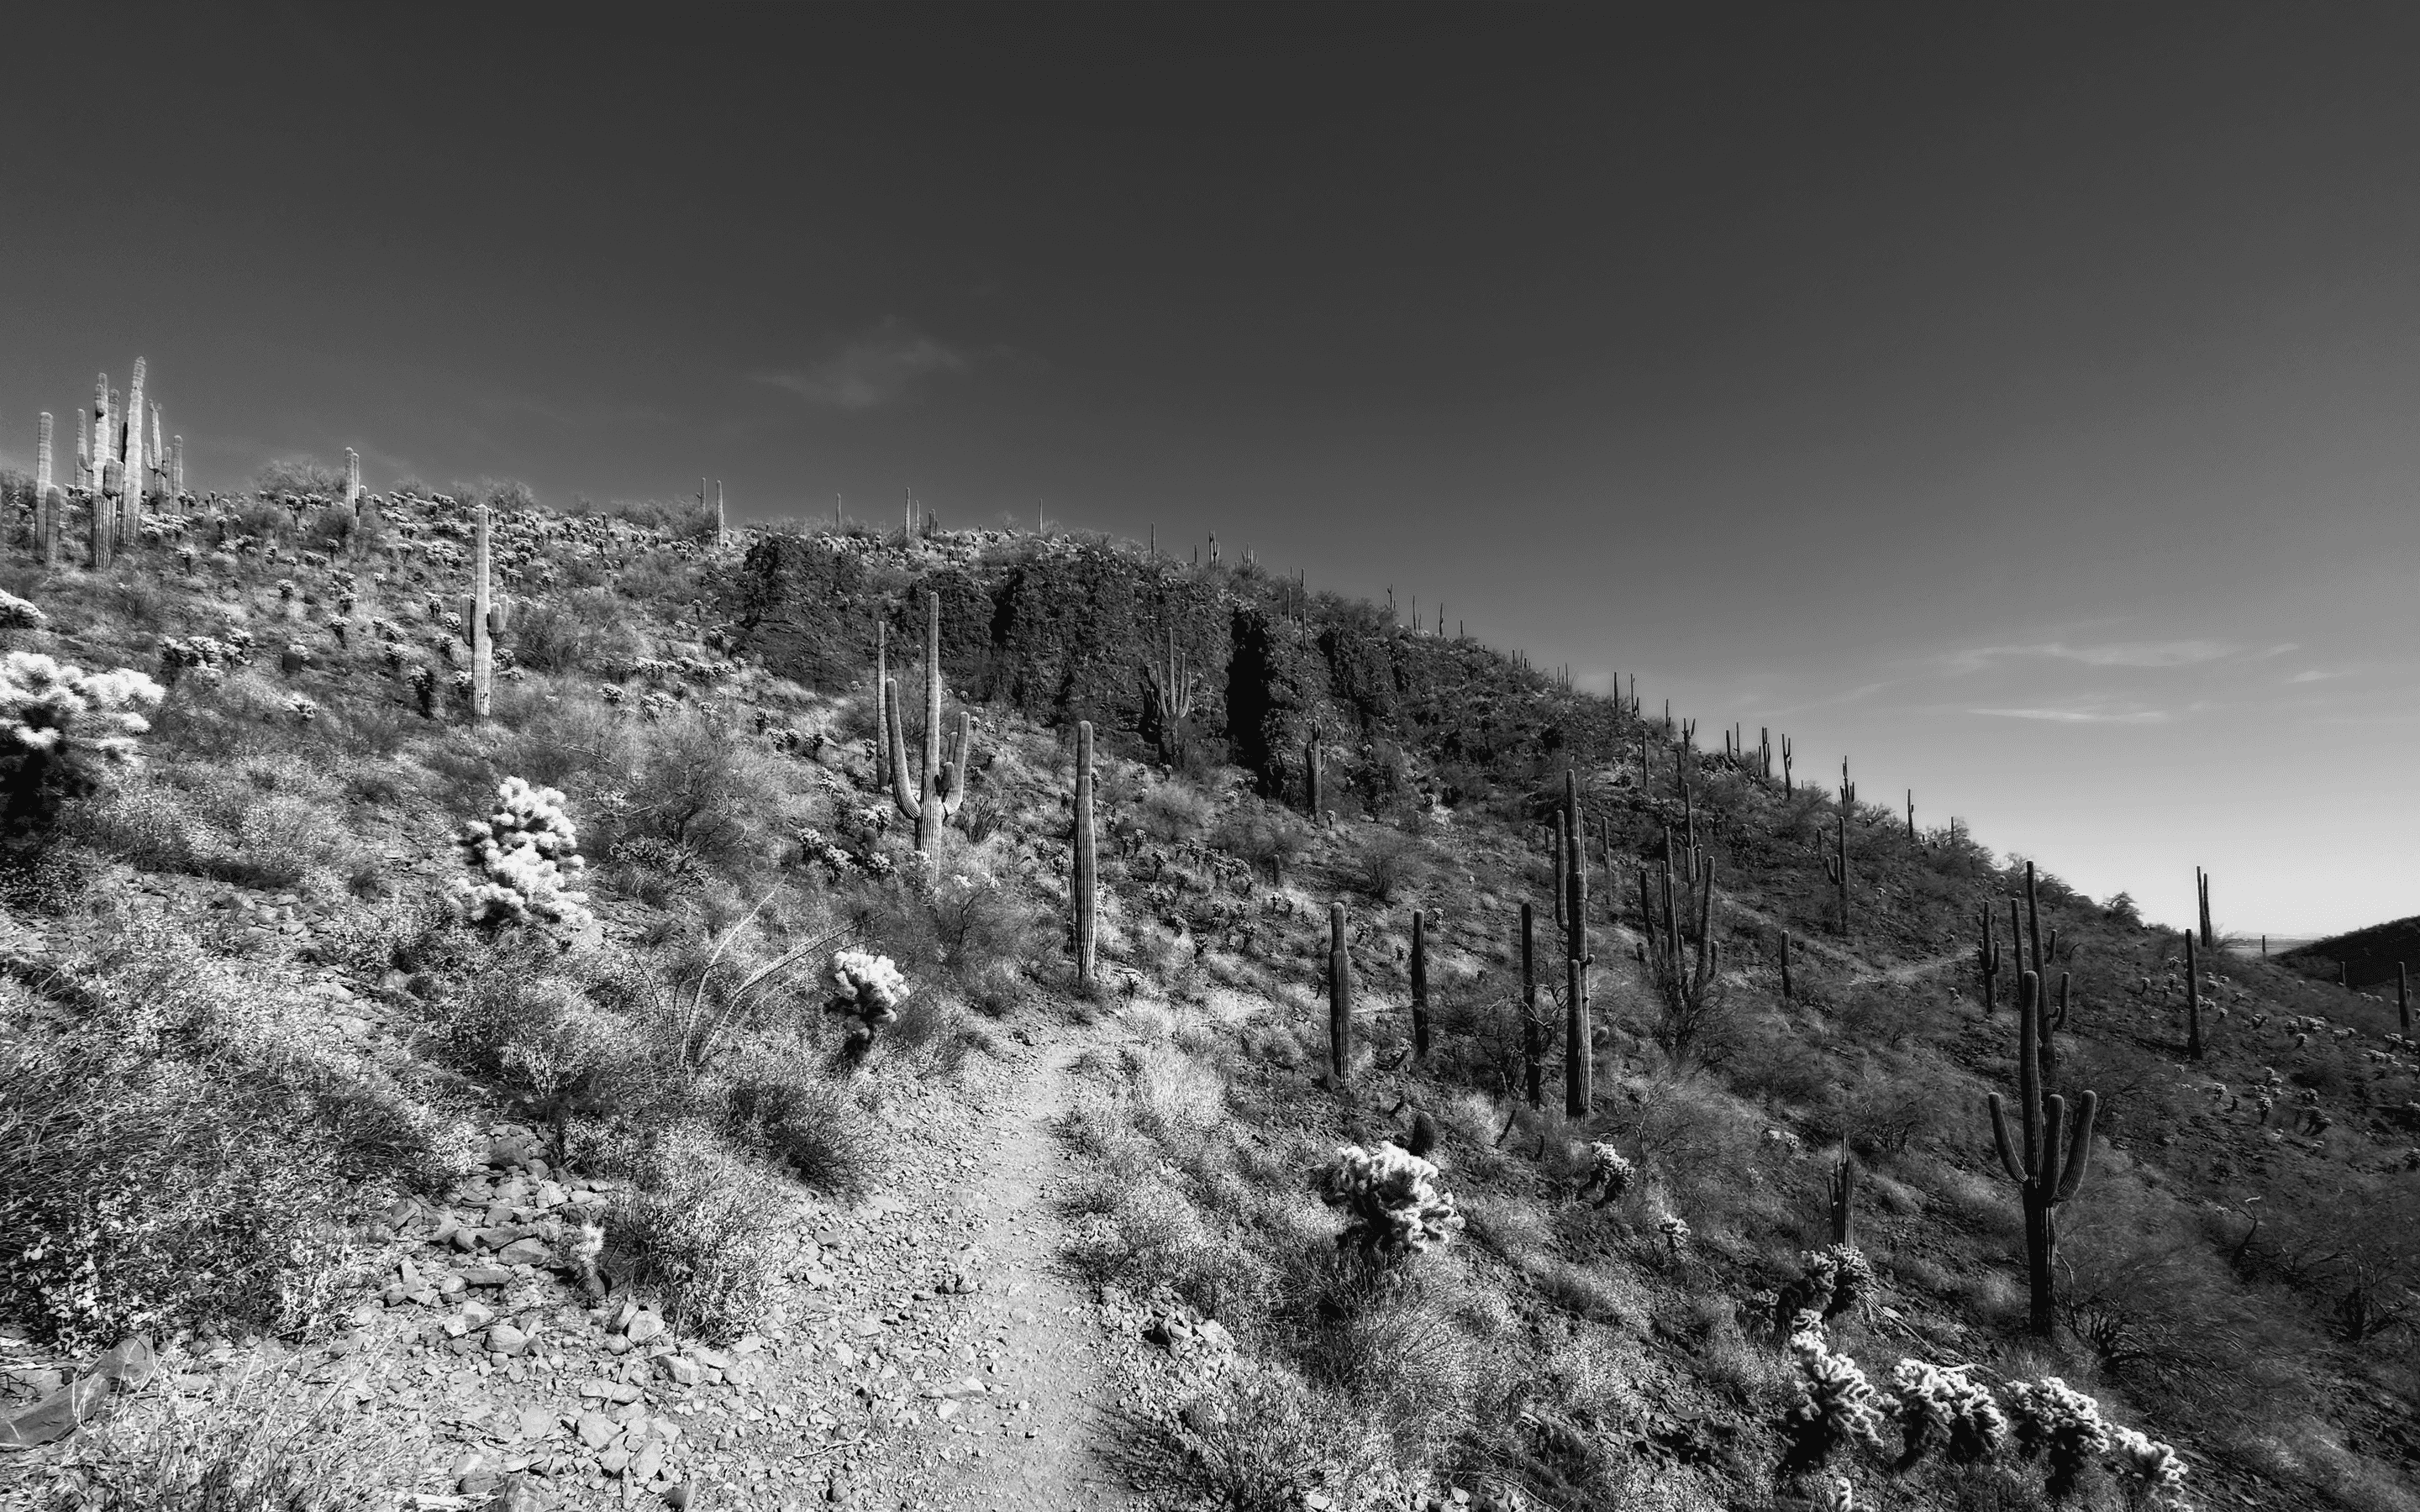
(1027, 1440)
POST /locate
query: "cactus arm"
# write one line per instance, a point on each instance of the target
(954, 794)
(2079, 1148)
(897, 742)
(2000, 1137)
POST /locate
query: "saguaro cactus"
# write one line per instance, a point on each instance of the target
(942, 789)
(1310, 776)
(1789, 992)
(176, 466)
(53, 508)
(1087, 870)
(1836, 867)
(105, 443)
(2045, 1158)
(881, 682)
(105, 514)
(354, 484)
(1340, 1001)
(1840, 1188)
(1579, 1051)
(1533, 1028)
(2402, 1001)
(2201, 892)
(483, 620)
(1419, 985)
(130, 506)
(42, 457)
(1987, 964)
(2193, 1000)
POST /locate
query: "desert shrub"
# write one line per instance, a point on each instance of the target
(248, 1449)
(1172, 811)
(809, 1122)
(1259, 1438)
(1270, 840)
(1387, 864)
(703, 1226)
(700, 788)
(584, 631)
(147, 1193)
(61, 730)
(301, 475)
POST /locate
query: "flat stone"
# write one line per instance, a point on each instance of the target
(486, 1275)
(505, 1339)
(526, 1252)
(595, 1430)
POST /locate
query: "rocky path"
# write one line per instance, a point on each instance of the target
(1047, 1340)
(928, 1353)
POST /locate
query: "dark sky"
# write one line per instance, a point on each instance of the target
(2018, 399)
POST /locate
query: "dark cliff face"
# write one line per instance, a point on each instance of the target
(2367, 957)
(1061, 631)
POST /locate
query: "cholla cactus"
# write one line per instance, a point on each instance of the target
(2146, 1468)
(2059, 1424)
(870, 986)
(60, 726)
(1839, 1279)
(17, 615)
(1836, 1406)
(1945, 1407)
(1391, 1199)
(526, 851)
(612, 694)
(1675, 1231)
(1609, 1174)
(302, 709)
(284, 589)
(296, 658)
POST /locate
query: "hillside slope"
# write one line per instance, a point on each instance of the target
(593, 1196)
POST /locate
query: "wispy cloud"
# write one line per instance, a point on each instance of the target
(2316, 676)
(2072, 715)
(872, 369)
(2153, 655)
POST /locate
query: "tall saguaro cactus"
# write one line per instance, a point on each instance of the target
(1419, 985)
(353, 483)
(1835, 867)
(2044, 1156)
(176, 466)
(1533, 1028)
(42, 457)
(1087, 868)
(1840, 1188)
(942, 789)
(483, 620)
(1579, 1051)
(1310, 793)
(1340, 1001)
(54, 510)
(129, 506)
(105, 443)
(2193, 1000)
(105, 514)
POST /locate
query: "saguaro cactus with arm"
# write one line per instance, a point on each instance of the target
(2044, 1156)
(940, 789)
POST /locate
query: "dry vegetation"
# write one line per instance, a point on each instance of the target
(185, 1149)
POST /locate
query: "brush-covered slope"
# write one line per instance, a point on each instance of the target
(255, 921)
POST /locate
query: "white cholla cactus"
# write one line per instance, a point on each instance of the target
(526, 851)
(1946, 1407)
(18, 614)
(1675, 1231)
(1390, 1201)
(870, 986)
(303, 708)
(2059, 1424)
(49, 706)
(2144, 1465)
(1836, 1405)
(1609, 1173)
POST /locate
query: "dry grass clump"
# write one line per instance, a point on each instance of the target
(1258, 1438)
(186, 1151)
(703, 1226)
(244, 1449)
(804, 1120)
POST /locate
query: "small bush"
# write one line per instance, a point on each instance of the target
(808, 1123)
(1268, 840)
(703, 1226)
(1387, 864)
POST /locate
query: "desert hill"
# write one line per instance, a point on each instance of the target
(732, 1117)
